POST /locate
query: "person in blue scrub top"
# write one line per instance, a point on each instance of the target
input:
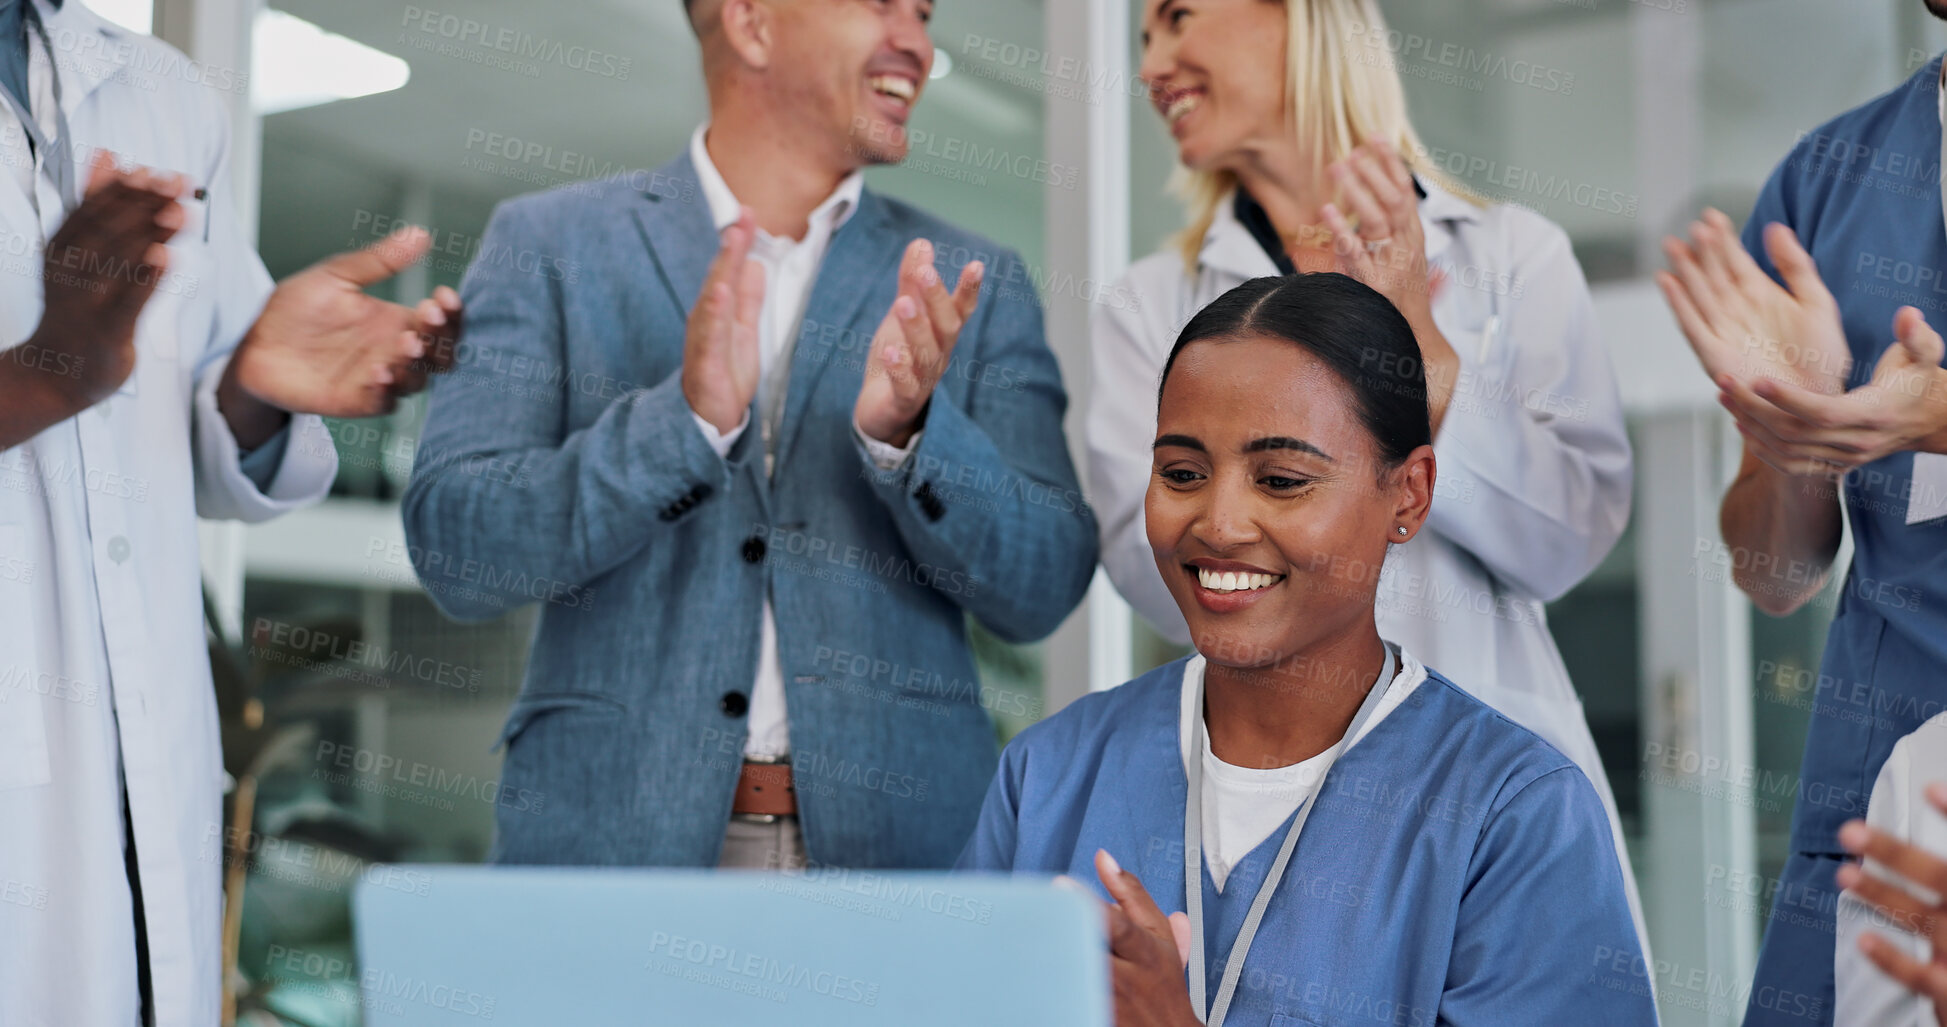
(1840, 396)
(1365, 841)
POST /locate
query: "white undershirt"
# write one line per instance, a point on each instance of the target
(1866, 996)
(1928, 499)
(790, 268)
(1242, 805)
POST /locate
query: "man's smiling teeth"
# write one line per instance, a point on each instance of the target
(1232, 581)
(896, 86)
(1183, 104)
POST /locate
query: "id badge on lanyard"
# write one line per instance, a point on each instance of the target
(1193, 851)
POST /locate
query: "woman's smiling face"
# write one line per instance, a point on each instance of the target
(1216, 74)
(1269, 509)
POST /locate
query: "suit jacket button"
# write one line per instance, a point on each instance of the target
(929, 504)
(753, 550)
(733, 704)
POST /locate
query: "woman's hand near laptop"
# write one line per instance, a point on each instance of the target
(1147, 952)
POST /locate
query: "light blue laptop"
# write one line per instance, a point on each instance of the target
(575, 947)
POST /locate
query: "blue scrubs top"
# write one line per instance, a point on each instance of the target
(1456, 870)
(1863, 194)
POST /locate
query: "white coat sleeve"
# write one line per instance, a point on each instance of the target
(1128, 345)
(239, 287)
(1534, 463)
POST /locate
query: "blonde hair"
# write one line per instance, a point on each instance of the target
(1343, 89)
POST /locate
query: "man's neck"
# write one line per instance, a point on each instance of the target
(776, 179)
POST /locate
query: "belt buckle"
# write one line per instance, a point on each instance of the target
(762, 818)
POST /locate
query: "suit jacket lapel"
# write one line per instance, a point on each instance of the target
(862, 261)
(682, 239)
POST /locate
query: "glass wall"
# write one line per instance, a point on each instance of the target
(368, 720)
(1620, 121)
(380, 715)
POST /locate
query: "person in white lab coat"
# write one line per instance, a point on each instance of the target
(1890, 965)
(148, 374)
(1298, 156)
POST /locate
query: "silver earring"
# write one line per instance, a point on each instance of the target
(1401, 529)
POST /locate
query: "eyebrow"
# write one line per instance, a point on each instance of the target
(1286, 442)
(1254, 446)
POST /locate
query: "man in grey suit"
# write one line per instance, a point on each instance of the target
(728, 421)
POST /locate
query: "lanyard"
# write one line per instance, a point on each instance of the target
(1193, 849)
(56, 155)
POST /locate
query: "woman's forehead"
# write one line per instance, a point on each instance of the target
(1254, 386)
(1268, 368)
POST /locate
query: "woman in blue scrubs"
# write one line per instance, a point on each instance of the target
(1366, 842)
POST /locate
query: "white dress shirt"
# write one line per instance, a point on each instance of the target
(1534, 462)
(105, 692)
(1865, 996)
(790, 268)
(1243, 805)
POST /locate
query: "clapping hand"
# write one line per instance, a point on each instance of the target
(1780, 361)
(1923, 916)
(1743, 324)
(721, 356)
(324, 346)
(1387, 252)
(911, 349)
(100, 269)
(1804, 431)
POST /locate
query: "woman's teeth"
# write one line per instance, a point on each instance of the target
(896, 86)
(1233, 581)
(1182, 105)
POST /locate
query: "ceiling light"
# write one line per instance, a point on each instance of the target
(134, 15)
(300, 65)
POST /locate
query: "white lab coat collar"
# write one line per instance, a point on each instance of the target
(839, 206)
(1441, 215)
(1230, 248)
(88, 49)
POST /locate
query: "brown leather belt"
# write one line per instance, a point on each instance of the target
(764, 789)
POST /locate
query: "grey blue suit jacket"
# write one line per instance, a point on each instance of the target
(560, 465)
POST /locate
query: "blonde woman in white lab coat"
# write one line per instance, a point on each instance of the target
(1298, 154)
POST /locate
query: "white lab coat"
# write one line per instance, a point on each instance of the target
(1534, 465)
(104, 675)
(1865, 996)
